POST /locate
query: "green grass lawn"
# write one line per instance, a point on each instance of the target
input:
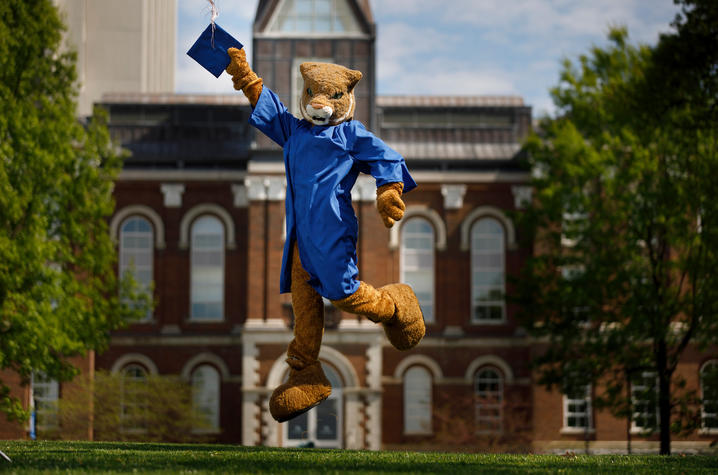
(108, 457)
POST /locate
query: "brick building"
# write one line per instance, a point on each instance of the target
(200, 214)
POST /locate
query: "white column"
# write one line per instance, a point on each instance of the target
(250, 379)
(374, 367)
(354, 434)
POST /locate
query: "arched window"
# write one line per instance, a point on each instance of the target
(205, 396)
(489, 399)
(487, 271)
(136, 252)
(133, 405)
(709, 395)
(417, 262)
(45, 394)
(417, 401)
(207, 273)
(321, 426)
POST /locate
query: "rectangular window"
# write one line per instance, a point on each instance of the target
(45, 394)
(577, 409)
(644, 395)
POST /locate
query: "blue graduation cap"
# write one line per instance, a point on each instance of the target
(212, 53)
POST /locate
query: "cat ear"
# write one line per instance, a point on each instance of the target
(305, 68)
(353, 77)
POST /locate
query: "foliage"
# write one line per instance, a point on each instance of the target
(155, 408)
(456, 428)
(86, 457)
(58, 293)
(625, 225)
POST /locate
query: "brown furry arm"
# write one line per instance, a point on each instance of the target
(389, 203)
(243, 77)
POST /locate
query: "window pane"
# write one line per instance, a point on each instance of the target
(136, 252)
(207, 273)
(417, 262)
(298, 428)
(327, 420)
(417, 400)
(709, 393)
(488, 396)
(320, 16)
(205, 394)
(487, 270)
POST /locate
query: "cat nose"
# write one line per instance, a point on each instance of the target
(317, 105)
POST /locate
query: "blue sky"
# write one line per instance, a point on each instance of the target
(454, 47)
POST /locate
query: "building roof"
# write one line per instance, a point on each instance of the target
(456, 150)
(449, 101)
(174, 99)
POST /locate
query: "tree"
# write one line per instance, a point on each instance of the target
(155, 408)
(625, 225)
(59, 296)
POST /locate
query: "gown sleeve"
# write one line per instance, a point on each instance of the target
(272, 118)
(378, 159)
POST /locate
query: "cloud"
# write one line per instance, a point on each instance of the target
(401, 46)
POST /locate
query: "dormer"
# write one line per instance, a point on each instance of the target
(287, 33)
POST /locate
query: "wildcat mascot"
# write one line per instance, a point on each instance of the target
(323, 155)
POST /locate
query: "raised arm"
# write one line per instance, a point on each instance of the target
(243, 77)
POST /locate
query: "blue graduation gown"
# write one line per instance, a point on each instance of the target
(322, 164)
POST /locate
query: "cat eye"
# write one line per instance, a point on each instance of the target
(337, 95)
(309, 91)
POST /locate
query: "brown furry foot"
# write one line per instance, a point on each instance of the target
(406, 329)
(305, 389)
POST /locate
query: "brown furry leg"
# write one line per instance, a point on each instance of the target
(307, 385)
(395, 306)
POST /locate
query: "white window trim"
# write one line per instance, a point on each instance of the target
(208, 208)
(424, 212)
(705, 430)
(145, 212)
(490, 211)
(566, 429)
(137, 358)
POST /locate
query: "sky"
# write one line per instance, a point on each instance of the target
(454, 47)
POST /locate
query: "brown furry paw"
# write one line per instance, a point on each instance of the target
(304, 390)
(406, 329)
(389, 203)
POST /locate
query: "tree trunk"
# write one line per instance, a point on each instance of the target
(664, 398)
